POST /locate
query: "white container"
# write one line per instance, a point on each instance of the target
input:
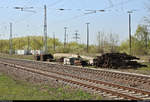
(21, 52)
(67, 61)
(35, 52)
(91, 62)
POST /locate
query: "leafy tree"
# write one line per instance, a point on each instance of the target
(140, 42)
(36, 43)
(142, 35)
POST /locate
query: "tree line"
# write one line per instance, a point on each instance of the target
(106, 42)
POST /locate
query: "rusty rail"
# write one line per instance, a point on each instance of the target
(74, 82)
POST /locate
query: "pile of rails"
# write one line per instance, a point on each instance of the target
(117, 60)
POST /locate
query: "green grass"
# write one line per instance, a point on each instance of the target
(145, 68)
(29, 57)
(18, 90)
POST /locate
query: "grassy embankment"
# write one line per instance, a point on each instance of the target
(11, 89)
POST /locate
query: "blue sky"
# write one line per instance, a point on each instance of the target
(114, 20)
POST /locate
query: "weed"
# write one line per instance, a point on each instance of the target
(18, 90)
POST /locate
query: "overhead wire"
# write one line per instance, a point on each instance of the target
(53, 4)
(111, 3)
(18, 21)
(23, 19)
(114, 5)
(48, 6)
(29, 2)
(77, 16)
(58, 1)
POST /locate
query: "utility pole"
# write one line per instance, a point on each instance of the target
(19, 44)
(54, 42)
(76, 36)
(45, 30)
(129, 12)
(28, 45)
(146, 36)
(99, 41)
(65, 37)
(1, 43)
(87, 37)
(10, 40)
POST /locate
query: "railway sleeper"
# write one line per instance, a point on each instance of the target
(143, 96)
(107, 95)
(124, 91)
(148, 94)
(120, 89)
(115, 88)
(113, 97)
(137, 94)
(103, 93)
(148, 98)
(119, 98)
(132, 92)
(75, 83)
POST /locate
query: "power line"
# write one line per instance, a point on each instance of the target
(111, 3)
(45, 30)
(129, 12)
(50, 5)
(95, 11)
(28, 49)
(76, 36)
(10, 40)
(1, 43)
(54, 42)
(91, 11)
(87, 37)
(26, 9)
(28, 2)
(53, 4)
(65, 35)
(117, 4)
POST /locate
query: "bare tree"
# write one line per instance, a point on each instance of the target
(113, 40)
(107, 42)
(100, 39)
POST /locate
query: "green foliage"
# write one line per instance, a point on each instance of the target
(140, 42)
(4, 46)
(18, 90)
(29, 57)
(76, 48)
(36, 43)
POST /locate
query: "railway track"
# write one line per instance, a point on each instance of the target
(122, 78)
(128, 79)
(111, 90)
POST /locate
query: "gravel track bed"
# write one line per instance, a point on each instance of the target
(81, 73)
(19, 74)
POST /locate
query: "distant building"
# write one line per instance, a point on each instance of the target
(35, 52)
(21, 52)
(26, 52)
